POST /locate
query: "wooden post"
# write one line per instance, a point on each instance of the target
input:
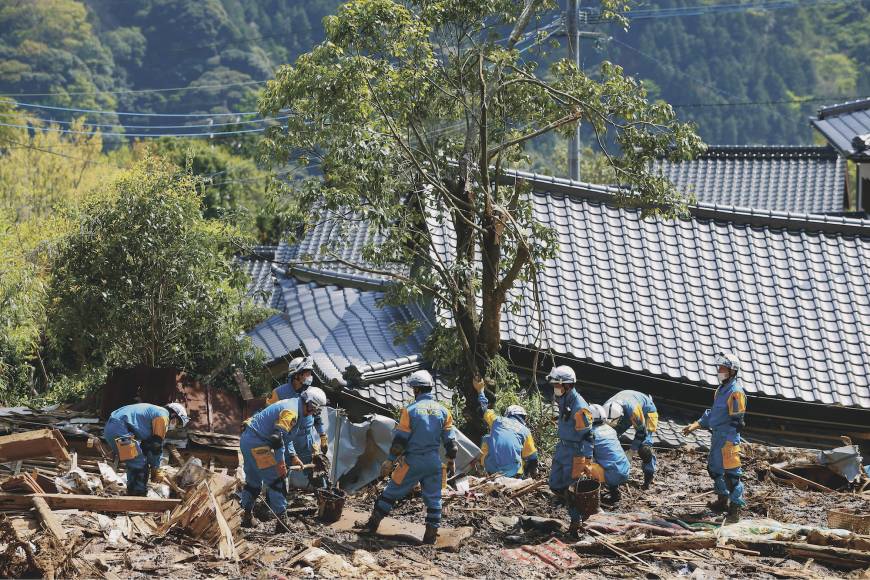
(48, 518)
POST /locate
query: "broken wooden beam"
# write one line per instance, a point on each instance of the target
(39, 443)
(663, 544)
(830, 555)
(48, 518)
(797, 478)
(16, 501)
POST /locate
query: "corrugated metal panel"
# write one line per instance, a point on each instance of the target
(796, 179)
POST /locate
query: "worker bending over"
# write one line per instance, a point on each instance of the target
(267, 439)
(136, 433)
(633, 409)
(301, 376)
(725, 419)
(509, 448)
(572, 458)
(424, 426)
(611, 466)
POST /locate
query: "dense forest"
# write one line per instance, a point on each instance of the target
(748, 76)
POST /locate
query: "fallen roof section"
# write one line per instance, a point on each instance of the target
(846, 126)
(779, 178)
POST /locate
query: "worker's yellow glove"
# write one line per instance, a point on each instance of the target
(157, 474)
(690, 428)
(478, 384)
(324, 443)
(386, 468)
(295, 461)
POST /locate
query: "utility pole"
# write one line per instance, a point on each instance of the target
(573, 27)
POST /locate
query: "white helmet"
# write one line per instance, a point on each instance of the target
(178, 410)
(421, 380)
(314, 396)
(562, 374)
(299, 364)
(728, 360)
(613, 412)
(598, 414)
(516, 411)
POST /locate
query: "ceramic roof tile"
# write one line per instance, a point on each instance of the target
(262, 283)
(844, 125)
(338, 327)
(756, 268)
(797, 179)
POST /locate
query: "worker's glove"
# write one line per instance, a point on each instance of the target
(282, 469)
(690, 428)
(451, 468)
(295, 461)
(531, 468)
(324, 443)
(585, 464)
(157, 474)
(386, 468)
(478, 384)
(631, 453)
(276, 442)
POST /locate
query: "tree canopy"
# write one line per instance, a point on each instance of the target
(414, 109)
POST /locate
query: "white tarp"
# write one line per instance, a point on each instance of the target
(364, 446)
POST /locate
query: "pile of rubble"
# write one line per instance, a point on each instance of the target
(63, 514)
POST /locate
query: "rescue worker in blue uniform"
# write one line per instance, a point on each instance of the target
(634, 409)
(572, 458)
(424, 426)
(301, 376)
(267, 438)
(136, 433)
(725, 419)
(611, 466)
(509, 448)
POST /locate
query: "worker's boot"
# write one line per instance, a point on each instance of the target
(374, 521)
(282, 524)
(430, 535)
(647, 481)
(574, 530)
(248, 519)
(719, 505)
(615, 495)
(733, 514)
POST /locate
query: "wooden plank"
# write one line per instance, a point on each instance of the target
(807, 482)
(449, 539)
(15, 501)
(48, 518)
(39, 443)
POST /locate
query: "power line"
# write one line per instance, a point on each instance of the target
(593, 16)
(836, 99)
(136, 91)
(152, 135)
(201, 125)
(129, 113)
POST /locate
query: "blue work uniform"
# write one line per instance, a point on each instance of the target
(611, 465)
(509, 447)
(261, 459)
(638, 411)
(424, 426)
(574, 428)
(135, 433)
(304, 444)
(725, 420)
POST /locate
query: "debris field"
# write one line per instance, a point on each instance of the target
(64, 515)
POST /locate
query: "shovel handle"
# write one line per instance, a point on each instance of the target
(300, 467)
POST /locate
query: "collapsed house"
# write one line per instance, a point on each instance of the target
(630, 303)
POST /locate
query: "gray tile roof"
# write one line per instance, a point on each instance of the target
(796, 179)
(841, 124)
(258, 266)
(342, 327)
(652, 296)
(329, 250)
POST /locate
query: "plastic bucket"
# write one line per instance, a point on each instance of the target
(587, 493)
(330, 503)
